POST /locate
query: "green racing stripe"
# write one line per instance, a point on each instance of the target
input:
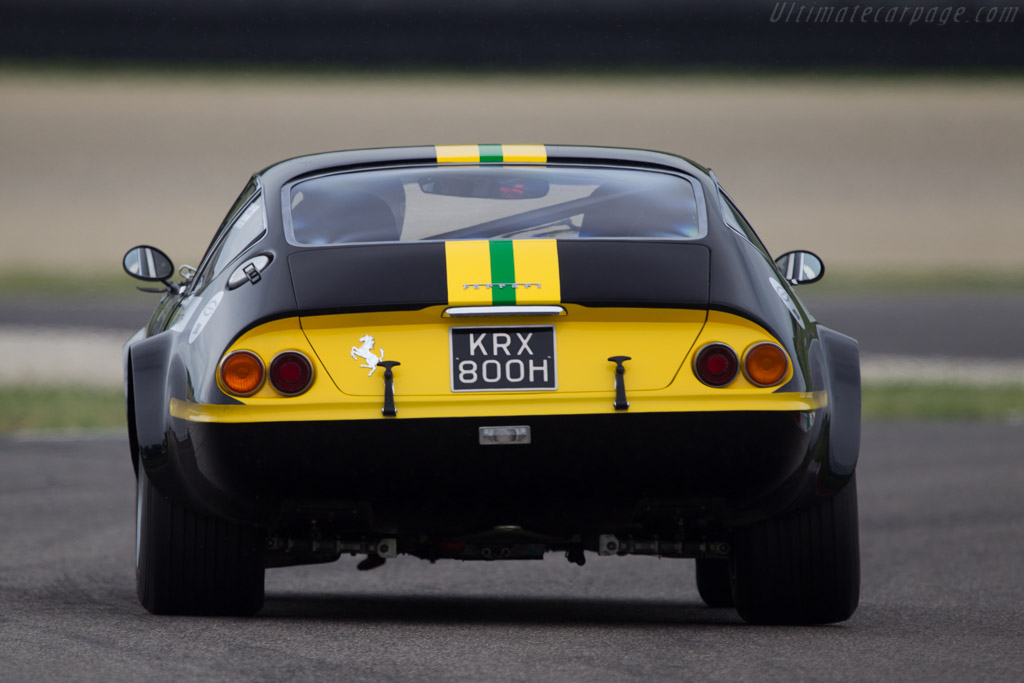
(503, 271)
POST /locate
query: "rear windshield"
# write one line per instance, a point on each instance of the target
(492, 202)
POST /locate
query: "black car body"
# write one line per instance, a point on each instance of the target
(492, 352)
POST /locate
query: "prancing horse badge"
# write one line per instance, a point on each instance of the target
(366, 353)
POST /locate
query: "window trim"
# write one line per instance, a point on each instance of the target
(753, 237)
(239, 207)
(289, 230)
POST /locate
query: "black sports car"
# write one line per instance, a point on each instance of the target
(485, 352)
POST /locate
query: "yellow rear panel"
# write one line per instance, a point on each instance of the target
(657, 340)
(658, 379)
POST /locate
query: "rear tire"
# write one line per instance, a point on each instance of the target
(803, 568)
(714, 583)
(188, 563)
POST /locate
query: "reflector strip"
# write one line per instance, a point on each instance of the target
(490, 153)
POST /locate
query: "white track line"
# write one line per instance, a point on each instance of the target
(884, 369)
(47, 355)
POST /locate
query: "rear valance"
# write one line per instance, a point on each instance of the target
(410, 276)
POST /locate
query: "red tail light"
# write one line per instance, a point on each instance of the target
(291, 373)
(716, 365)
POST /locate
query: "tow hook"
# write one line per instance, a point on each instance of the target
(389, 409)
(620, 382)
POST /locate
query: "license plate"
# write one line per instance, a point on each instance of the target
(520, 358)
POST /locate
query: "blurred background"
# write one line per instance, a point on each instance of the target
(888, 138)
(887, 145)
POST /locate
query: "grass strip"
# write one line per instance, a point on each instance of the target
(33, 408)
(844, 281)
(888, 402)
(15, 283)
(30, 408)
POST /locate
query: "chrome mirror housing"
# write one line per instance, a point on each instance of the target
(148, 264)
(800, 267)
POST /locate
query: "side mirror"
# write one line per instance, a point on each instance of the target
(149, 264)
(800, 267)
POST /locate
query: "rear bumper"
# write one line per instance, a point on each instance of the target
(579, 474)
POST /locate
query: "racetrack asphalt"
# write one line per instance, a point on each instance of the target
(942, 541)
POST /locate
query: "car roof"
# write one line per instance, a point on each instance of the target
(280, 173)
(274, 177)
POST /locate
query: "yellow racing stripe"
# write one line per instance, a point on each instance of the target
(537, 154)
(471, 269)
(536, 263)
(469, 272)
(474, 154)
(457, 154)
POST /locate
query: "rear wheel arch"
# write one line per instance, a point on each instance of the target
(842, 375)
(147, 410)
(133, 435)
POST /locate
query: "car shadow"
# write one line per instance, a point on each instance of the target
(457, 610)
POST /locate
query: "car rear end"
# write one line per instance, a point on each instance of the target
(496, 353)
(530, 347)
